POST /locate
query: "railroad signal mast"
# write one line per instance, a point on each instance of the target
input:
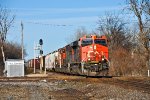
(41, 54)
(39, 48)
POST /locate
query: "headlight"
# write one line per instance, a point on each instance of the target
(103, 59)
(94, 47)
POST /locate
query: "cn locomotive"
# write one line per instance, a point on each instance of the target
(86, 56)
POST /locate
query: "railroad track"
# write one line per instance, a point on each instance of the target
(21, 79)
(130, 84)
(50, 76)
(142, 85)
(137, 85)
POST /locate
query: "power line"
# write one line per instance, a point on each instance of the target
(46, 24)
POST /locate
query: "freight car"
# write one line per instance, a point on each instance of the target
(30, 63)
(86, 56)
(51, 60)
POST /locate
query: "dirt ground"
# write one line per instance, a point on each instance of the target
(62, 87)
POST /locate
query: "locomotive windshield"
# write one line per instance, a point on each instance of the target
(86, 42)
(100, 41)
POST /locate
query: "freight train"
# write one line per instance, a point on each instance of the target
(85, 56)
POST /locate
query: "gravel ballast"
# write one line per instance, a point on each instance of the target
(67, 90)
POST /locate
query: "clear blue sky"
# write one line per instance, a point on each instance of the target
(55, 20)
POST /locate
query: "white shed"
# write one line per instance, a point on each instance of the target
(14, 68)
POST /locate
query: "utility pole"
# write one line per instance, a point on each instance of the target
(148, 46)
(22, 39)
(148, 55)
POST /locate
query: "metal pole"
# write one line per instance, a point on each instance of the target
(148, 55)
(34, 57)
(44, 69)
(41, 60)
(22, 40)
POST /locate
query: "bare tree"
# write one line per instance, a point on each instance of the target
(12, 51)
(78, 34)
(119, 43)
(141, 8)
(136, 6)
(146, 9)
(6, 21)
(114, 28)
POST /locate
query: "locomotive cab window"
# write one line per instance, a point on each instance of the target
(86, 42)
(100, 41)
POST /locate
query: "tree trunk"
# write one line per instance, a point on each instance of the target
(3, 54)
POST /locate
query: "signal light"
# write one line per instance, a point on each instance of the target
(41, 42)
(41, 51)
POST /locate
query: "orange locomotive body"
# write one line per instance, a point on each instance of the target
(93, 49)
(86, 56)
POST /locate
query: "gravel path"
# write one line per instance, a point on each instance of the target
(67, 90)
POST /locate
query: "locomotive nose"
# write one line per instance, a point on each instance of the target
(95, 54)
(92, 53)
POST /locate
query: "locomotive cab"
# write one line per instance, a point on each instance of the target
(94, 53)
(94, 49)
